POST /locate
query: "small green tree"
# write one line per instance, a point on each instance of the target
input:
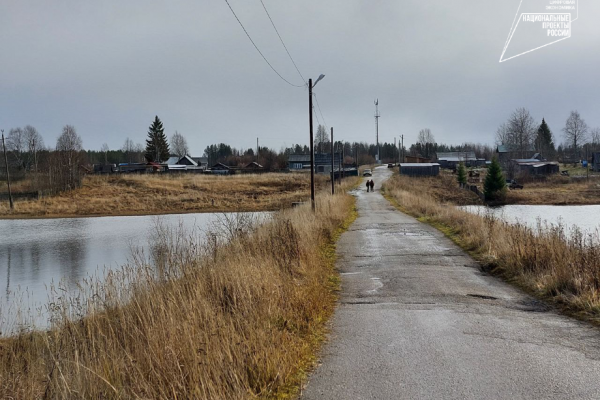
(544, 141)
(494, 187)
(157, 146)
(462, 174)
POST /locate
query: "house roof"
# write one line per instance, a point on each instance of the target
(254, 164)
(189, 159)
(419, 164)
(172, 160)
(509, 148)
(456, 155)
(220, 166)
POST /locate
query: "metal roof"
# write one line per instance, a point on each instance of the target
(419, 164)
(456, 155)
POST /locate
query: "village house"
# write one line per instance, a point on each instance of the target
(420, 169)
(507, 152)
(450, 160)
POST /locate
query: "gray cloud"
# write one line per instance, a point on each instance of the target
(108, 67)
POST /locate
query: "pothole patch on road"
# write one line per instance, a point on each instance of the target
(482, 296)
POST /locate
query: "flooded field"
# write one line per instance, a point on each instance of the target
(36, 254)
(586, 218)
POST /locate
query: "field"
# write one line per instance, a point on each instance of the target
(553, 190)
(553, 265)
(160, 194)
(236, 319)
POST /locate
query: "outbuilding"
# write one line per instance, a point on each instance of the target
(420, 169)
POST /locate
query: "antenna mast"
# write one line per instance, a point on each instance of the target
(377, 115)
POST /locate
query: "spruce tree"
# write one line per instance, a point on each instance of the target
(544, 141)
(494, 187)
(157, 146)
(462, 174)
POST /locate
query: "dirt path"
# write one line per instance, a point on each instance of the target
(418, 320)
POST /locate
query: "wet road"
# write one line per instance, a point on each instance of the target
(418, 320)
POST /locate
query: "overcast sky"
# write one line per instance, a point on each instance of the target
(108, 67)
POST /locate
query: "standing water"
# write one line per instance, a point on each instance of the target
(586, 218)
(36, 254)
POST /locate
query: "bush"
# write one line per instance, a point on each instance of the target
(462, 174)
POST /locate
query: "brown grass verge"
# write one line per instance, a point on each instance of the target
(563, 267)
(162, 194)
(221, 321)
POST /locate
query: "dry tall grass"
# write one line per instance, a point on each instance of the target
(551, 263)
(215, 320)
(164, 193)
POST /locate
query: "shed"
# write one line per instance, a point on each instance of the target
(220, 169)
(416, 160)
(298, 162)
(538, 168)
(596, 162)
(420, 169)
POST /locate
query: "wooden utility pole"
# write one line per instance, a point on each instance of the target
(332, 165)
(342, 172)
(587, 161)
(10, 199)
(312, 153)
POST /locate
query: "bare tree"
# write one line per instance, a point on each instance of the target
(518, 132)
(68, 147)
(128, 149)
(321, 139)
(105, 150)
(179, 145)
(575, 130)
(139, 151)
(15, 143)
(595, 139)
(522, 129)
(502, 135)
(35, 143)
(425, 136)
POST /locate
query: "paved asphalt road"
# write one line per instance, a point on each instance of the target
(418, 320)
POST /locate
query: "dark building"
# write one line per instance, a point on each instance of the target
(298, 162)
(596, 162)
(450, 160)
(420, 169)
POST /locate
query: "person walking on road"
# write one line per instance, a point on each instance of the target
(368, 185)
(372, 184)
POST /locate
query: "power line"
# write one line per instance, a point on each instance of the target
(284, 46)
(257, 49)
(317, 100)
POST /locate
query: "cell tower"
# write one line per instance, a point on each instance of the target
(377, 115)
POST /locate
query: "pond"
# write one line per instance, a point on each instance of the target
(586, 218)
(38, 253)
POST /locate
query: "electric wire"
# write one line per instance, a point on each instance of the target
(257, 49)
(284, 46)
(319, 107)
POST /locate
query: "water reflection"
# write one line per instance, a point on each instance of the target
(36, 254)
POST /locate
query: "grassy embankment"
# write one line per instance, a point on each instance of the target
(161, 194)
(554, 190)
(552, 265)
(221, 321)
(557, 190)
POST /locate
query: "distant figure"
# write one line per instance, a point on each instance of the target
(368, 185)
(372, 184)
